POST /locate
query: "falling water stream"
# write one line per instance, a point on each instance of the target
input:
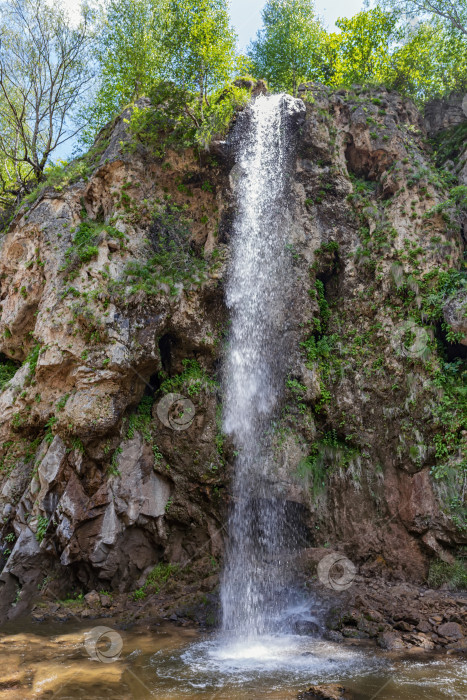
(256, 364)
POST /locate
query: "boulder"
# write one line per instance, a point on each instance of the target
(331, 691)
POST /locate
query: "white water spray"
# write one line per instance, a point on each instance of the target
(256, 364)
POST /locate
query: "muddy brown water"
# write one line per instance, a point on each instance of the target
(68, 661)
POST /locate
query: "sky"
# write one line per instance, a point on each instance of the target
(246, 15)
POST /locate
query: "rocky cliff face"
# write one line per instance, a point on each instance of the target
(112, 329)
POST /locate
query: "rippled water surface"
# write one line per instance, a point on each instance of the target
(170, 663)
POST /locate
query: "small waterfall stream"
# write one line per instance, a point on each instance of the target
(256, 363)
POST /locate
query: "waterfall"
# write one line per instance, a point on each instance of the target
(257, 296)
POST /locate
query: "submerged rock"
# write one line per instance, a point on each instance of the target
(325, 692)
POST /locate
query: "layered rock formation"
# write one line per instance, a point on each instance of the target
(112, 299)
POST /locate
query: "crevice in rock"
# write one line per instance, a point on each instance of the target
(451, 351)
(152, 384)
(166, 349)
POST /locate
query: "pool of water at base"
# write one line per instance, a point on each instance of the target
(168, 662)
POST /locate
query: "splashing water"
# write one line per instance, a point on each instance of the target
(254, 579)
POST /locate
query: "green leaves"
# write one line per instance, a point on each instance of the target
(170, 50)
(421, 60)
(361, 52)
(201, 45)
(288, 50)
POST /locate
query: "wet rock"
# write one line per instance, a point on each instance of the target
(92, 599)
(424, 626)
(105, 600)
(451, 630)
(325, 692)
(403, 626)
(391, 641)
(306, 628)
(333, 636)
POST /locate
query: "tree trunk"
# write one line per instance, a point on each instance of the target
(201, 90)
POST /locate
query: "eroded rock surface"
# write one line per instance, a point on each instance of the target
(97, 490)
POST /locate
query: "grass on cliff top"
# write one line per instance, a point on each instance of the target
(453, 575)
(174, 121)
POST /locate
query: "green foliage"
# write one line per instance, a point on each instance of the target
(449, 144)
(201, 46)
(175, 119)
(298, 391)
(75, 599)
(361, 51)
(32, 359)
(173, 261)
(141, 420)
(218, 114)
(374, 47)
(437, 288)
(7, 371)
(83, 248)
(131, 56)
(179, 52)
(159, 576)
(42, 525)
(161, 573)
(324, 311)
(62, 174)
(139, 594)
(327, 454)
(288, 50)
(193, 380)
(166, 122)
(319, 349)
(113, 466)
(454, 575)
(49, 434)
(450, 411)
